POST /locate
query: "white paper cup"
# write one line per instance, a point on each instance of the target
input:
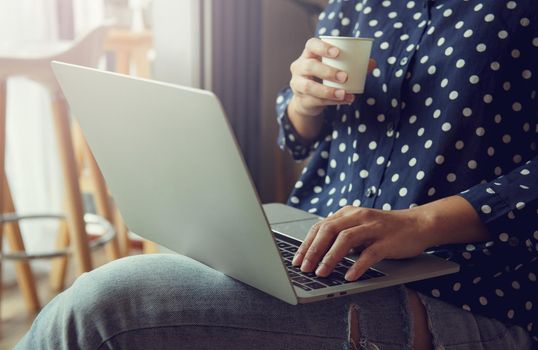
(353, 59)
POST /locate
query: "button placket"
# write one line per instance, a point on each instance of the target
(370, 192)
(390, 129)
(393, 115)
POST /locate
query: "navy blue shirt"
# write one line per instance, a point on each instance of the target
(450, 109)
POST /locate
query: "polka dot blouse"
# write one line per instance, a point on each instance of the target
(450, 109)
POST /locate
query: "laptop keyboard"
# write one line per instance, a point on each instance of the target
(309, 281)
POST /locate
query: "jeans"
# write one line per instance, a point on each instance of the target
(173, 302)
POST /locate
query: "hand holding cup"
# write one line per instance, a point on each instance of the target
(311, 96)
(353, 59)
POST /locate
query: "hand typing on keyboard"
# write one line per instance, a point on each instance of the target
(308, 280)
(383, 234)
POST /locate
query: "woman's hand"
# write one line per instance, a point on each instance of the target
(382, 234)
(310, 96)
(387, 234)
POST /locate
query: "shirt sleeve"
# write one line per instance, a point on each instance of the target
(288, 137)
(508, 207)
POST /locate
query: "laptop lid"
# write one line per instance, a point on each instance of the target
(175, 171)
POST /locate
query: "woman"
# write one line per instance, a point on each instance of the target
(451, 108)
(438, 153)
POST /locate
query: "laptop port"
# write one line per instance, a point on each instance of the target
(343, 293)
(330, 295)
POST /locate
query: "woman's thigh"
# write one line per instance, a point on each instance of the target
(173, 302)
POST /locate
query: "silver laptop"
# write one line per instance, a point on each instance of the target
(176, 173)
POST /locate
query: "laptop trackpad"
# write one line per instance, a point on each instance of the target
(289, 221)
(296, 229)
(278, 213)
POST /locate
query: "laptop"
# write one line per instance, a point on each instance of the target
(175, 171)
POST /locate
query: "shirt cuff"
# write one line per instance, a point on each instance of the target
(508, 207)
(288, 137)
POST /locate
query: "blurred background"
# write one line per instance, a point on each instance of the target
(240, 49)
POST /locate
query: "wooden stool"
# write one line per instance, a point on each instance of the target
(86, 51)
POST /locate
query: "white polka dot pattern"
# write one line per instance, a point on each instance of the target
(451, 108)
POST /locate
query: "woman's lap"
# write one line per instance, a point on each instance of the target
(170, 301)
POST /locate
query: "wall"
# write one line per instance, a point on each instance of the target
(177, 41)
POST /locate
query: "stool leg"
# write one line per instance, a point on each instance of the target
(58, 270)
(100, 192)
(1, 267)
(150, 247)
(122, 232)
(102, 200)
(75, 212)
(123, 62)
(25, 277)
(3, 95)
(78, 146)
(141, 63)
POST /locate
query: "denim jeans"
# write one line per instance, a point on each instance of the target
(173, 302)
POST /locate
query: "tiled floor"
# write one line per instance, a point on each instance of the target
(15, 319)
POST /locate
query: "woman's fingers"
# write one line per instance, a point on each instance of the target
(303, 248)
(372, 64)
(308, 87)
(312, 67)
(369, 257)
(346, 240)
(317, 48)
(310, 102)
(325, 236)
(308, 68)
(299, 255)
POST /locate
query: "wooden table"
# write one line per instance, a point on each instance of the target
(130, 50)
